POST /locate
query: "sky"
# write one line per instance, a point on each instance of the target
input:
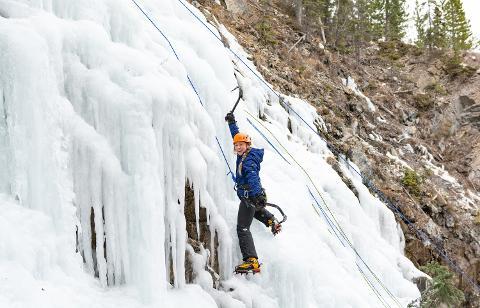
(472, 8)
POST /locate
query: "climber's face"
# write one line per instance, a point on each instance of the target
(240, 147)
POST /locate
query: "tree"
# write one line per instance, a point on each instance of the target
(420, 22)
(352, 23)
(457, 27)
(438, 30)
(395, 19)
(430, 24)
(370, 19)
(299, 11)
(441, 290)
(315, 14)
(343, 23)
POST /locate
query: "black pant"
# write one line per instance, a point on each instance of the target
(246, 213)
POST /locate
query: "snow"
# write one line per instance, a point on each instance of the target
(408, 148)
(375, 137)
(438, 171)
(467, 199)
(99, 133)
(350, 83)
(381, 120)
(399, 161)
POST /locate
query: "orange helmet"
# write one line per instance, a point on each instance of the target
(241, 137)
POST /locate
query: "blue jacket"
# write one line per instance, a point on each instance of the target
(248, 179)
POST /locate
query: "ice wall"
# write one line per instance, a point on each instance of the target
(100, 130)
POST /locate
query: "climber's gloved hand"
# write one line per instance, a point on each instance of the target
(274, 225)
(260, 200)
(230, 118)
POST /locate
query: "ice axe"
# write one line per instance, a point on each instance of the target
(279, 209)
(284, 216)
(240, 95)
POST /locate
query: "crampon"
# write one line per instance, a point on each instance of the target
(245, 272)
(249, 266)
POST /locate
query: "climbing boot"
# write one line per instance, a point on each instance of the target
(250, 265)
(274, 225)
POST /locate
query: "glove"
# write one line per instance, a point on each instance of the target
(275, 226)
(260, 200)
(230, 118)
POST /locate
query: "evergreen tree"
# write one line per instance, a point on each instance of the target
(328, 10)
(374, 16)
(441, 291)
(430, 24)
(430, 4)
(343, 23)
(457, 27)
(438, 30)
(395, 19)
(360, 26)
(314, 10)
(420, 23)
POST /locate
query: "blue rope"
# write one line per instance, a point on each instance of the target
(226, 161)
(189, 80)
(329, 222)
(379, 296)
(337, 231)
(336, 152)
(266, 139)
(161, 32)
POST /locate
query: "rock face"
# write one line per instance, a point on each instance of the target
(236, 6)
(204, 244)
(469, 105)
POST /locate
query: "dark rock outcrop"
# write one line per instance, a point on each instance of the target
(206, 241)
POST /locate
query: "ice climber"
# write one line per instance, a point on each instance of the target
(252, 196)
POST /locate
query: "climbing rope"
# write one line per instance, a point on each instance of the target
(226, 161)
(334, 225)
(335, 151)
(369, 283)
(189, 80)
(266, 139)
